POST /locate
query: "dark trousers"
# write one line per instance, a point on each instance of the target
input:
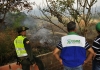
(95, 65)
(25, 64)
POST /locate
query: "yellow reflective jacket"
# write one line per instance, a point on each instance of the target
(19, 46)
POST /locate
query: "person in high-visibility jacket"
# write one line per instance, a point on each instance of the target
(72, 48)
(23, 49)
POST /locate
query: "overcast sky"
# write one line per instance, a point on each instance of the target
(41, 4)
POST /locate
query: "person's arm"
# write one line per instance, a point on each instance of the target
(90, 55)
(56, 54)
(57, 50)
(28, 50)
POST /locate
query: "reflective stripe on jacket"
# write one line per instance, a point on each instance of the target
(19, 46)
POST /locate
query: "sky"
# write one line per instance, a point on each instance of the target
(38, 2)
(42, 3)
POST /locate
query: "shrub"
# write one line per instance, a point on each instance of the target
(7, 51)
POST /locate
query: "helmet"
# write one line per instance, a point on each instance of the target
(98, 26)
(22, 28)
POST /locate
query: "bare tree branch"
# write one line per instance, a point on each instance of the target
(12, 6)
(57, 8)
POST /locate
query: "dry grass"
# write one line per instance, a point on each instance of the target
(6, 46)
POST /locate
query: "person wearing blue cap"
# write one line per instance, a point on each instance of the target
(23, 49)
(72, 48)
(96, 48)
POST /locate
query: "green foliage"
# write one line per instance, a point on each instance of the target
(12, 6)
(18, 19)
(15, 19)
(61, 5)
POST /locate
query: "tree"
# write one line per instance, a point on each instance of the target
(12, 6)
(15, 19)
(63, 9)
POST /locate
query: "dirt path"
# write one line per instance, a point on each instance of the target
(13, 66)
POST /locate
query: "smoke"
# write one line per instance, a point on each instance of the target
(38, 30)
(30, 22)
(44, 35)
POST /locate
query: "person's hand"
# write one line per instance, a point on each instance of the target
(94, 55)
(34, 64)
(85, 62)
(60, 60)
